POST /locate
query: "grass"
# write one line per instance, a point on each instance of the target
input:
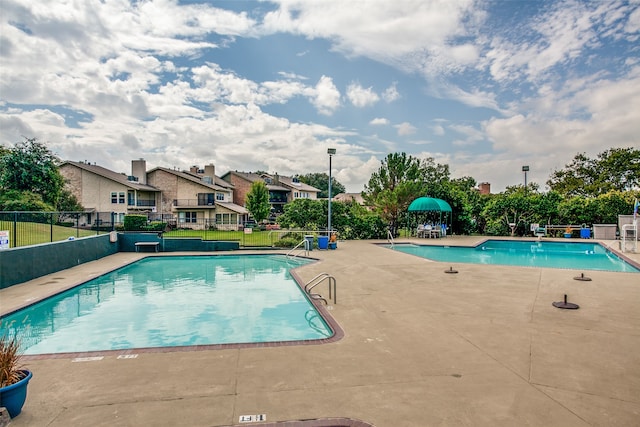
(33, 233)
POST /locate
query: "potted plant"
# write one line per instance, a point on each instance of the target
(567, 232)
(14, 378)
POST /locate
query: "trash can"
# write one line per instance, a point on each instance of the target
(585, 233)
(309, 244)
(323, 242)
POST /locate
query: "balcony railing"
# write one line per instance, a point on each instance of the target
(192, 202)
(142, 203)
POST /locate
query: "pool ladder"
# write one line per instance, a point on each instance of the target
(304, 249)
(316, 281)
(390, 238)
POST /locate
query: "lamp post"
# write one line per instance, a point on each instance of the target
(525, 169)
(331, 152)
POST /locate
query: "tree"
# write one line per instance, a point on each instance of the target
(258, 201)
(394, 186)
(30, 166)
(508, 210)
(614, 169)
(321, 182)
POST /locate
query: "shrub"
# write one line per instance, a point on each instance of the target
(135, 222)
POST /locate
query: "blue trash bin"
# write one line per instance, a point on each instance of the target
(323, 242)
(585, 233)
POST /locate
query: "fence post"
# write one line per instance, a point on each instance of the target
(51, 227)
(15, 229)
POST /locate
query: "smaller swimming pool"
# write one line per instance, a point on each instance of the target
(174, 301)
(579, 256)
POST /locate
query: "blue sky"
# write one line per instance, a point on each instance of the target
(483, 86)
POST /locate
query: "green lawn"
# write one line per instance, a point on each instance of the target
(33, 233)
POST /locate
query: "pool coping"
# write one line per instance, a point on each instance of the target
(337, 335)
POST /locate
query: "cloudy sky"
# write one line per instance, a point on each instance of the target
(483, 86)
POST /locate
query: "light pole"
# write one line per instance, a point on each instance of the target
(331, 152)
(525, 169)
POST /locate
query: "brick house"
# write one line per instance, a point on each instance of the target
(100, 190)
(197, 198)
(282, 189)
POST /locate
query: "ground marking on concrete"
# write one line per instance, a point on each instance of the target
(88, 359)
(128, 356)
(253, 418)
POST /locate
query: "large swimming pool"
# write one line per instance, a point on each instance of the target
(580, 256)
(174, 301)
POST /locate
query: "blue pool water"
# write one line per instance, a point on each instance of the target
(580, 256)
(174, 301)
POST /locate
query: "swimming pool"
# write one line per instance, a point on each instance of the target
(172, 301)
(580, 256)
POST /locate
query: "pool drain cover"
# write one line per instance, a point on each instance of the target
(566, 305)
(582, 278)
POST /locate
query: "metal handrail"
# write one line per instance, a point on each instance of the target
(306, 249)
(390, 238)
(319, 279)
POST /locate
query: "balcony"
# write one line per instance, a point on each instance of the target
(141, 203)
(195, 203)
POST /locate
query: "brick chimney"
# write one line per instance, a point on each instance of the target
(484, 187)
(139, 170)
(209, 174)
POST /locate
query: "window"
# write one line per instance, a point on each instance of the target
(191, 216)
(117, 198)
(220, 197)
(295, 195)
(205, 199)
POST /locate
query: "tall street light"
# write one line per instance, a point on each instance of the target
(525, 169)
(331, 152)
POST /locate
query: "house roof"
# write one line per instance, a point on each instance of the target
(120, 178)
(286, 183)
(197, 179)
(233, 207)
(216, 179)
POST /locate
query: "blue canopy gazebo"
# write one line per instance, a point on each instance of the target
(431, 204)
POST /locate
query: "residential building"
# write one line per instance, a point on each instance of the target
(197, 198)
(282, 189)
(100, 190)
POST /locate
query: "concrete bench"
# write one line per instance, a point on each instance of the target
(155, 245)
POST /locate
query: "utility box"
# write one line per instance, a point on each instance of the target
(604, 231)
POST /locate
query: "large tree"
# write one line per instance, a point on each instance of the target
(616, 169)
(30, 166)
(400, 179)
(258, 201)
(321, 182)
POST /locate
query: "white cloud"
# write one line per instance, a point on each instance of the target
(405, 129)
(391, 93)
(325, 96)
(379, 121)
(360, 96)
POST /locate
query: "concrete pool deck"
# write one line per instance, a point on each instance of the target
(483, 347)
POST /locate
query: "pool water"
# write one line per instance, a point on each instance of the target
(580, 256)
(174, 301)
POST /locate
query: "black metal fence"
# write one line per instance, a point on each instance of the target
(32, 228)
